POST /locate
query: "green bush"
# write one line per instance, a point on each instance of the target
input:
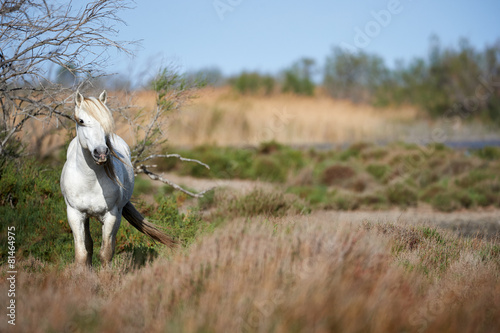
(345, 202)
(268, 168)
(260, 202)
(377, 200)
(184, 227)
(142, 186)
(253, 83)
(401, 195)
(444, 202)
(31, 201)
(378, 171)
(474, 177)
(489, 153)
(314, 195)
(461, 181)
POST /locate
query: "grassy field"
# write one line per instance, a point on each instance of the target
(289, 241)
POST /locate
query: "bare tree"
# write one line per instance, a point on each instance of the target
(35, 35)
(172, 91)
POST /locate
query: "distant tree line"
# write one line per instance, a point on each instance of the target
(449, 81)
(297, 79)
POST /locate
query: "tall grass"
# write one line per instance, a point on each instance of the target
(285, 274)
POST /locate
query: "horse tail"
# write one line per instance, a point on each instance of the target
(140, 223)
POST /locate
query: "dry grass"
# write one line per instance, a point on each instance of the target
(220, 116)
(288, 274)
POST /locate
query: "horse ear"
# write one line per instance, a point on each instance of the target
(78, 99)
(103, 97)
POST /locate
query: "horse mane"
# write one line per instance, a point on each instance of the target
(100, 112)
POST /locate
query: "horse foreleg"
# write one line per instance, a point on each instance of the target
(79, 224)
(110, 224)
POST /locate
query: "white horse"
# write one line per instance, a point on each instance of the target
(97, 181)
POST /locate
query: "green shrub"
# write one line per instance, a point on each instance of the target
(427, 177)
(349, 153)
(260, 202)
(464, 199)
(207, 201)
(401, 195)
(375, 153)
(184, 227)
(269, 147)
(488, 153)
(376, 200)
(314, 195)
(31, 201)
(444, 202)
(475, 176)
(345, 202)
(378, 171)
(268, 168)
(253, 83)
(142, 186)
(486, 193)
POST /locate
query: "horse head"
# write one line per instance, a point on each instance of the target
(94, 124)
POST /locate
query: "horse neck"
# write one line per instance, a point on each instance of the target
(85, 163)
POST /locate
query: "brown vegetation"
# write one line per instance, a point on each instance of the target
(292, 273)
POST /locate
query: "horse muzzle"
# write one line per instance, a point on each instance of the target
(100, 155)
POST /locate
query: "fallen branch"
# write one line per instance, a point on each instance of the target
(184, 159)
(143, 169)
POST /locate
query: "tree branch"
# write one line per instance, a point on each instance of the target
(150, 157)
(143, 169)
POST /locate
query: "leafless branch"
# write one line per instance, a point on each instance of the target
(154, 176)
(184, 159)
(35, 35)
(172, 91)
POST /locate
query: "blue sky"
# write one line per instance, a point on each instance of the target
(268, 35)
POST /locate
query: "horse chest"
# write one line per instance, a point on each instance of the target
(95, 197)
